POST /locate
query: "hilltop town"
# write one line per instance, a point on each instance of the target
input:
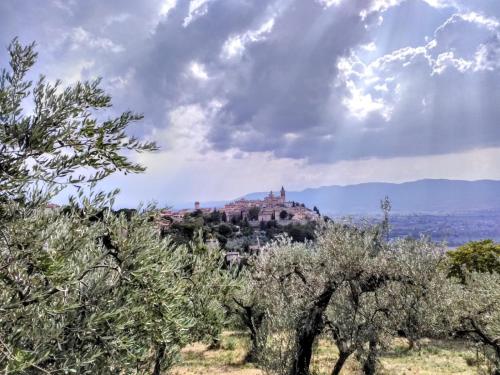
(256, 211)
(244, 225)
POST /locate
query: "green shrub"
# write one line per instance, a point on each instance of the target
(478, 256)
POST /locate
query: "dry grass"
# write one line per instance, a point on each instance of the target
(434, 357)
(228, 360)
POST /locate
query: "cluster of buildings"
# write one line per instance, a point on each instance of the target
(272, 207)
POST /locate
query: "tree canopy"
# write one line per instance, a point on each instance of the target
(82, 289)
(476, 256)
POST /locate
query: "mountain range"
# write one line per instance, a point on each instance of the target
(422, 196)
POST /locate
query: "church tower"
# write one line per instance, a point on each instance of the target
(283, 195)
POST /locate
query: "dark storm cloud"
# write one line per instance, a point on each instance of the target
(285, 81)
(268, 76)
(278, 84)
(162, 74)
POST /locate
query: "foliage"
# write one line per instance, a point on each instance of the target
(247, 306)
(108, 295)
(301, 232)
(63, 134)
(238, 244)
(283, 214)
(424, 306)
(282, 297)
(352, 285)
(253, 213)
(246, 228)
(225, 229)
(478, 314)
(478, 256)
(210, 289)
(82, 289)
(235, 237)
(215, 217)
(476, 266)
(185, 231)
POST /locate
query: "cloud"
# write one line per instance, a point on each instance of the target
(235, 45)
(80, 38)
(167, 6)
(188, 169)
(282, 82)
(290, 84)
(436, 98)
(275, 70)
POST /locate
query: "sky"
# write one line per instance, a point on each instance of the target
(247, 95)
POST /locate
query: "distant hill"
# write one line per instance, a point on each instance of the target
(423, 196)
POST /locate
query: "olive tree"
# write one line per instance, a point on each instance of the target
(66, 133)
(353, 286)
(474, 269)
(100, 296)
(477, 315)
(302, 279)
(424, 306)
(403, 291)
(246, 304)
(284, 293)
(354, 318)
(359, 315)
(83, 290)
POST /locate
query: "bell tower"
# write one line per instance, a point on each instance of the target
(283, 195)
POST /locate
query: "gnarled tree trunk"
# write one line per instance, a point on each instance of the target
(370, 365)
(253, 322)
(340, 362)
(160, 353)
(308, 328)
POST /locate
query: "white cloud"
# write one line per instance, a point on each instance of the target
(167, 6)
(329, 3)
(447, 59)
(370, 47)
(489, 22)
(368, 87)
(67, 5)
(360, 104)
(121, 82)
(235, 45)
(197, 8)
(442, 3)
(487, 57)
(379, 6)
(70, 74)
(291, 136)
(358, 80)
(198, 71)
(79, 38)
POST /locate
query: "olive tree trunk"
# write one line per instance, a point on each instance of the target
(370, 365)
(343, 356)
(308, 328)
